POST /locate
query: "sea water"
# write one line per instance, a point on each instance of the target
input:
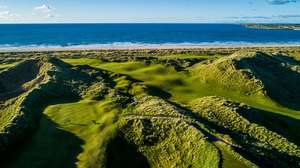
(16, 36)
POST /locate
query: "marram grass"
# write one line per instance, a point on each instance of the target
(177, 110)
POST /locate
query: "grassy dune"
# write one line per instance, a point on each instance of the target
(172, 110)
(74, 131)
(184, 87)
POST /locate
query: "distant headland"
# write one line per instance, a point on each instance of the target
(274, 26)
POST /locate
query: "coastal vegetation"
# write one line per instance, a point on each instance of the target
(224, 107)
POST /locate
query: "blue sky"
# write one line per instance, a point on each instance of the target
(153, 11)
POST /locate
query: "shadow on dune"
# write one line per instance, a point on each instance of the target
(280, 76)
(249, 151)
(49, 147)
(283, 125)
(120, 153)
(155, 91)
(11, 81)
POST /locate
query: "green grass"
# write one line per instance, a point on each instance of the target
(8, 112)
(187, 56)
(183, 86)
(8, 65)
(83, 133)
(82, 61)
(171, 143)
(230, 117)
(232, 159)
(78, 132)
(297, 56)
(73, 132)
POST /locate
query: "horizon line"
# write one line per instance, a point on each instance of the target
(149, 23)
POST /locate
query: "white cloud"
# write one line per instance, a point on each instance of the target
(43, 8)
(44, 12)
(8, 15)
(5, 14)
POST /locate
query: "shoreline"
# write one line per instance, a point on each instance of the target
(144, 47)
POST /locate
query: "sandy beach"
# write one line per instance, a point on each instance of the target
(141, 47)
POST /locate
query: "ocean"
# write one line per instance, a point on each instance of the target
(20, 36)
